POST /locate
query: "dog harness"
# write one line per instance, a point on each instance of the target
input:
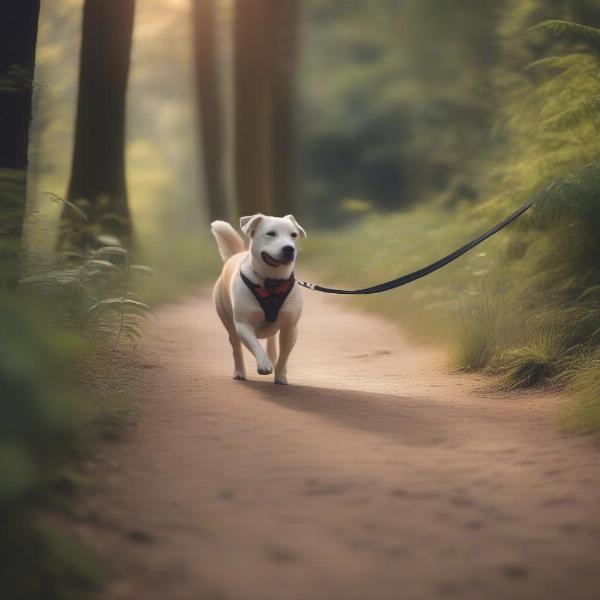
(271, 295)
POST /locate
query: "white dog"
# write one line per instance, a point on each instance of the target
(255, 295)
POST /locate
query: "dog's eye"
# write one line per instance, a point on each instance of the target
(294, 235)
(271, 233)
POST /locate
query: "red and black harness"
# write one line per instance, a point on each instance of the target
(271, 295)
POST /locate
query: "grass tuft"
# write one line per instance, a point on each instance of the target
(533, 364)
(583, 414)
(479, 322)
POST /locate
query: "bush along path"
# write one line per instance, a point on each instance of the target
(376, 474)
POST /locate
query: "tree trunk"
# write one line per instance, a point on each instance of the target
(284, 67)
(264, 73)
(211, 131)
(98, 184)
(18, 35)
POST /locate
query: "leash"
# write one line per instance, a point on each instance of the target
(438, 264)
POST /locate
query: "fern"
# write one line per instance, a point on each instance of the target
(572, 117)
(576, 62)
(59, 200)
(551, 117)
(15, 79)
(573, 32)
(96, 296)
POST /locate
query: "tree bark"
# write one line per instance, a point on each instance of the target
(211, 130)
(18, 36)
(264, 75)
(284, 71)
(98, 183)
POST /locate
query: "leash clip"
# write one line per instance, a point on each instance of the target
(306, 284)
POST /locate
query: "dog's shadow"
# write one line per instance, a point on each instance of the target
(403, 419)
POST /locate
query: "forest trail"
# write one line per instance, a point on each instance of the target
(377, 474)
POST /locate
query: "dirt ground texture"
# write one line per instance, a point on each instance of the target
(376, 474)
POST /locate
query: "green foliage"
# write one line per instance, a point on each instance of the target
(572, 32)
(382, 246)
(54, 397)
(12, 195)
(527, 307)
(15, 79)
(534, 363)
(39, 434)
(574, 198)
(95, 293)
(381, 81)
(87, 224)
(482, 321)
(583, 416)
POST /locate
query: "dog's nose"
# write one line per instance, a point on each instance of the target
(288, 251)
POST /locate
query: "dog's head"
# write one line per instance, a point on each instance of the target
(272, 243)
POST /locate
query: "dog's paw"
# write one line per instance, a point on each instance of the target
(239, 376)
(280, 375)
(264, 367)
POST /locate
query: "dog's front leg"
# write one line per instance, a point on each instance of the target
(264, 366)
(287, 340)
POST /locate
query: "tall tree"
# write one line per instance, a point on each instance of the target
(18, 35)
(264, 74)
(209, 104)
(284, 60)
(98, 183)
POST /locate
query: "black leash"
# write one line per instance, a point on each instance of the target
(438, 264)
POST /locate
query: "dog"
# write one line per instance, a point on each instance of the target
(255, 295)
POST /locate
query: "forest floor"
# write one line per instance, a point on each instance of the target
(377, 474)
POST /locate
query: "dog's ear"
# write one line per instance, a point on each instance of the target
(249, 224)
(296, 225)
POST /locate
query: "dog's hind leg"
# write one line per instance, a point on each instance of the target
(287, 340)
(238, 358)
(272, 348)
(239, 372)
(234, 339)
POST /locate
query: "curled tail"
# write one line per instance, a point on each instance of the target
(229, 241)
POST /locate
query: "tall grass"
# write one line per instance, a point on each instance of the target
(68, 330)
(482, 320)
(524, 306)
(40, 436)
(583, 414)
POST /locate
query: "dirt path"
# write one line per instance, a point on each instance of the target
(375, 475)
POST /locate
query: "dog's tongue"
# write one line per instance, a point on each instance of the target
(273, 262)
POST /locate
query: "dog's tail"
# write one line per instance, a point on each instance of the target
(229, 241)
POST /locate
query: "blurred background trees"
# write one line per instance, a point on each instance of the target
(397, 97)
(332, 109)
(97, 185)
(18, 35)
(210, 90)
(396, 128)
(403, 102)
(264, 76)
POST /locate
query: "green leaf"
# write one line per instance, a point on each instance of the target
(567, 30)
(103, 264)
(585, 111)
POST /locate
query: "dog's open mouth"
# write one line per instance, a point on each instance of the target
(269, 260)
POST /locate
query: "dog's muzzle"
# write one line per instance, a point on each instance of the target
(287, 254)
